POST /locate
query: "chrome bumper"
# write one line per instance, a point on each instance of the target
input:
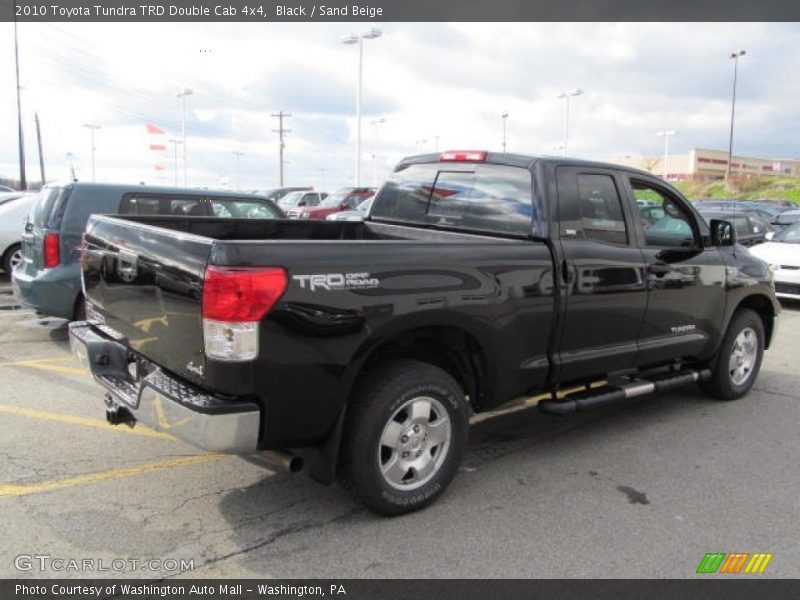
(164, 403)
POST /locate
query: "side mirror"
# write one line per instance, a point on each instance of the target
(301, 203)
(769, 235)
(722, 233)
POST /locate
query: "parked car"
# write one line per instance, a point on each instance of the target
(48, 278)
(361, 348)
(293, 201)
(276, 194)
(344, 199)
(786, 218)
(750, 228)
(5, 188)
(764, 210)
(13, 215)
(782, 253)
(359, 213)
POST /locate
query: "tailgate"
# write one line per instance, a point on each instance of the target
(146, 283)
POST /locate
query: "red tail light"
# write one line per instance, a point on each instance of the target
(236, 295)
(51, 252)
(463, 155)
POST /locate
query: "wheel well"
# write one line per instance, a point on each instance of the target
(763, 308)
(449, 348)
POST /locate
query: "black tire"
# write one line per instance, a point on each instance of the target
(9, 253)
(398, 386)
(723, 385)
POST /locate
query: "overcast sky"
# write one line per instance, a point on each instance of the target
(451, 81)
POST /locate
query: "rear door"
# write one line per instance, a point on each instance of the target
(603, 274)
(685, 277)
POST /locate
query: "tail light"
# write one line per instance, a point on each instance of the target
(234, 301)
(463, 155)
(51, 252)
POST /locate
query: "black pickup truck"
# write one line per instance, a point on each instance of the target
(358, 350)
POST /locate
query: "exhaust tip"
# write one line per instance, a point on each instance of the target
(296, 464)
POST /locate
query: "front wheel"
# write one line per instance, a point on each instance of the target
(12, 258)
(404, 437)
(736, 368)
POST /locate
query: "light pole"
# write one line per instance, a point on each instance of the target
(504, 116)
(182, 95)
(375, 149)
(23, 183)
(666, 134)
(71, 160)
(735, 56)
(369, 34)
(175, 160)
(92, 128)
(566, 96)
(237, 154)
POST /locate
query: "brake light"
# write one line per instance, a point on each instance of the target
(51, 252)
(234, 301)
(463, 155)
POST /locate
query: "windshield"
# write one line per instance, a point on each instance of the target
(366, 204)
(335, 199)
(291, 199)
(790, 235)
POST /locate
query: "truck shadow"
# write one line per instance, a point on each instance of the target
(283, 514)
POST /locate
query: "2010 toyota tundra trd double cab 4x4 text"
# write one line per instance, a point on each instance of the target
(360, 348)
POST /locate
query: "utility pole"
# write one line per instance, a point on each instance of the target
(237, 154)
(23, 184)
(92, 129)
(182, 94)
(735, 56)
(39, 143)
(280, 131)
(175, 160)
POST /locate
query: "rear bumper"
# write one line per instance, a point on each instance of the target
(52, 291)
(164, 403)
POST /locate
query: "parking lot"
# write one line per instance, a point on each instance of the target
(642, 490)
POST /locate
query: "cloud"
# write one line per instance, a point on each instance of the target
(436, 84)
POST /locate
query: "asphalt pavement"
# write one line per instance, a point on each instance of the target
(640, 490)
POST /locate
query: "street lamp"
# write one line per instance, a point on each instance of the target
(237, 154)
(566, 96)
(92, 129)
(504, 117)
(71, 160)
(375, 149)
(369, 34)
(182, 95)
(175, 160)
(735, 56)
(666, 134)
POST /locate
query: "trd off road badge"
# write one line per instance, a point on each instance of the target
(336, 281)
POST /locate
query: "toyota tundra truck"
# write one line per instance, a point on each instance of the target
(357, 351)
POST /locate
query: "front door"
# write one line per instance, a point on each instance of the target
(602, 276)
(685, 275)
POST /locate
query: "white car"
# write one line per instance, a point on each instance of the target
(782, 253)
(13, 215)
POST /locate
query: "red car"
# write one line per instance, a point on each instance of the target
(344, 199)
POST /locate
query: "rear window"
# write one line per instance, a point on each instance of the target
(50, 206)
(242, 209)
(477, 197)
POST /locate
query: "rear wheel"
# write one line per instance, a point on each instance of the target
(12, 258)
(739, 360)
(404, 437)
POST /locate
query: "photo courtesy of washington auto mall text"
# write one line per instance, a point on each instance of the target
(399, 300)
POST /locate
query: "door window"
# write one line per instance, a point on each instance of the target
(601, 209)
(666, 222)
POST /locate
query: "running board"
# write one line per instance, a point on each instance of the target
(615, 394)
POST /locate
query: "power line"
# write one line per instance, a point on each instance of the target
(280, 131)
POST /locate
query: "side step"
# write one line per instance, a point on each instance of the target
(614, 394)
